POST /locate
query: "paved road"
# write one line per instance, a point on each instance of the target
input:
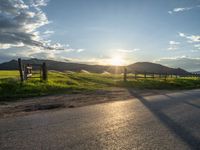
(167, 121)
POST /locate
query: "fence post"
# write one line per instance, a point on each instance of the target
(125, 74)
(44, 71)
(135, 75)
(25, 72)
(153, 75)
(160, 75)
(145, 75)
(166, 76)
(20, 69)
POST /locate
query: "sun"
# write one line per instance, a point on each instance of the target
(117, 61)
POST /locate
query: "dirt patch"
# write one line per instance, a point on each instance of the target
(43, 107)
(71, 106)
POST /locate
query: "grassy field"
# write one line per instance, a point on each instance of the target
(59, 82)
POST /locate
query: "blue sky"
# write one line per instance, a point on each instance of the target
(96, 31)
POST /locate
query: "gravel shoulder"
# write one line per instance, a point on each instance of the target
(64, 101)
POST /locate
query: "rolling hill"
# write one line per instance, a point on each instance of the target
(155, 68)
(68, 66)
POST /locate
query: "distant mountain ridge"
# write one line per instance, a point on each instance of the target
(197, 72)
(69, 66)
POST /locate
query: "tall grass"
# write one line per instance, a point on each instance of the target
(60, 82)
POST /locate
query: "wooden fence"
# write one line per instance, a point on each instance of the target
(26, 70)
(146, 75)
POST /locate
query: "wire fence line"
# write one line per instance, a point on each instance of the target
(152, 75)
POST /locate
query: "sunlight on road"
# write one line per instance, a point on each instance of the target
(113, 123)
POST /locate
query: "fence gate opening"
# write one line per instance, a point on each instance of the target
(26, 70)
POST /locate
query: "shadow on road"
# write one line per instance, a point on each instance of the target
(184, 101)
(183, 133)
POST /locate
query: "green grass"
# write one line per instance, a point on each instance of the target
(59, 82)
(9, 74)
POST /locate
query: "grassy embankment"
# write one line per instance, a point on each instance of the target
(59, 82)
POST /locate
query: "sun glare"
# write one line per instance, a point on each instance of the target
(116, 61)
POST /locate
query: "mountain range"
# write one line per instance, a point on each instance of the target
(142, 67)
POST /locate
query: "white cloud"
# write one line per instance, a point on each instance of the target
(181, 9)
(170, 12)
(48, 32)
(190, 38)
(194, 38)
(128, 50)
(80, 50)
(173, 45)
(37, 3)
(6, 46)
(181, 34)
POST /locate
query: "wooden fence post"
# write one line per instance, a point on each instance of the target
(20, 69)
(166, 76)
(44, 71)
(145, 75)
(153, 75)
(25, 72)
(135, 75)
(125, 74)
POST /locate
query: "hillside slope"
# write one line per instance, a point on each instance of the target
(155, 68)
(67, 66)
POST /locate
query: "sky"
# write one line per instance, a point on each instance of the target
(102, 31)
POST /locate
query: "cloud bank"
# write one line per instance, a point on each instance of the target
(19, 24)
(22, 35)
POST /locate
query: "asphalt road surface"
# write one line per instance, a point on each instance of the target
(167, 121)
